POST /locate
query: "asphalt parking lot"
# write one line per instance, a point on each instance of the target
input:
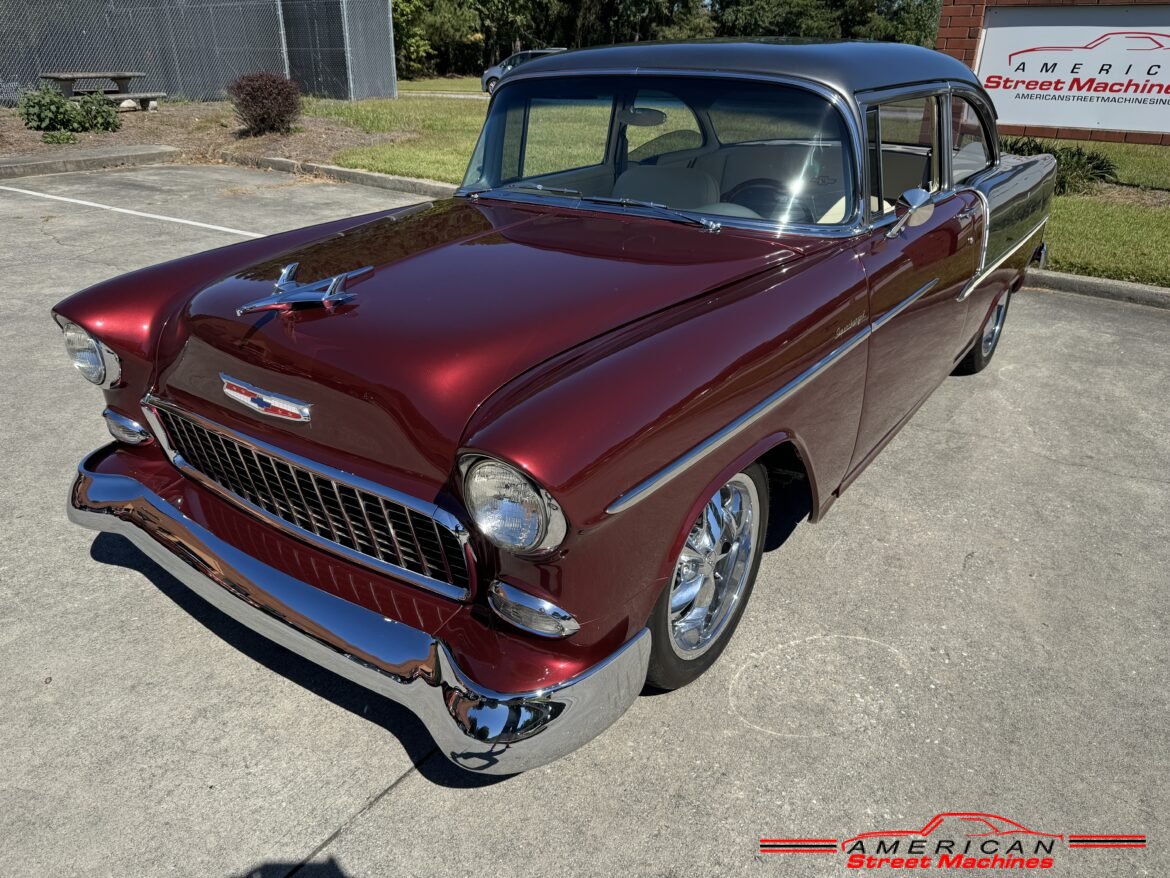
(979, 625)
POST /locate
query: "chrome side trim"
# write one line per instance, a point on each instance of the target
(903, 305)
(707, 446)
(514, 605)
(969, 287)
(978, 278)
(477, 728)
(149, 405)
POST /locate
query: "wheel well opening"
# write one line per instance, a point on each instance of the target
(789, 493)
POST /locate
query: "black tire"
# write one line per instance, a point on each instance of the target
(491, 86)
(668, 670)
(981, 353)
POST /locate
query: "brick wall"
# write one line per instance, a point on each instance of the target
(959, 29)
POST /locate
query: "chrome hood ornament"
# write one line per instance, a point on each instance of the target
(290, 296)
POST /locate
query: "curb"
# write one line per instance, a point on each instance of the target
(86, 160)
(413, 185)
(1099, 288)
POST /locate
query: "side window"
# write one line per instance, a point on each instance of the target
(909, 146)
(970, 148)
(660, 123)
(565, 134)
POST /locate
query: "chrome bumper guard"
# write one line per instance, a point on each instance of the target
(478, 729)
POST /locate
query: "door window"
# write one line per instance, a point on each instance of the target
(970, 146)
(909, 137)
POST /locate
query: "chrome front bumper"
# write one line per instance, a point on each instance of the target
(477, 729)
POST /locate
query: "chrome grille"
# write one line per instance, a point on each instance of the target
(372, 525)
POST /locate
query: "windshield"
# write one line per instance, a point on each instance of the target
(713, 147)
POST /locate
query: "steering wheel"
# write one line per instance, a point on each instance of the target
(768, 197)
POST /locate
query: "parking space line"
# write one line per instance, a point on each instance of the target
(155, 216)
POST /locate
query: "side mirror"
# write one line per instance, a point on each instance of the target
(917, 209)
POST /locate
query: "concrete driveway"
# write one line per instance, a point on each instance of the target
(980, 625)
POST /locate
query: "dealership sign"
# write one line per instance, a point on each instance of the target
(1079, 67)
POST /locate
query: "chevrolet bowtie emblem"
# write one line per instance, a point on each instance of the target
(289, 295)
(266, 402)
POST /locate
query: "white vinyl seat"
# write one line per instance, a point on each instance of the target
(836, 213)
(685, 188)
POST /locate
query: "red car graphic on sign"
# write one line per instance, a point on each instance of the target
(1127, 40)
(957, 824)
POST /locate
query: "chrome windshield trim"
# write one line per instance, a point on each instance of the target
(844, 103)
(644, 489)
(1011, 251)
(903, 305)
(151, 403)
(724, 222)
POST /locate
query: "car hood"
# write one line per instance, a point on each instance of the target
(464, 296)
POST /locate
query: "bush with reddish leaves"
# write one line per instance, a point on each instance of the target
(265, 102)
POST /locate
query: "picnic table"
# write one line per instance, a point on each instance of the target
(66, 81)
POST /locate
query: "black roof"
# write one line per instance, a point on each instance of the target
(847, 66)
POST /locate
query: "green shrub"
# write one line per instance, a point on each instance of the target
(46, 109)
(265, 102)
(98, 113)
(59, 137)
(1078, 170)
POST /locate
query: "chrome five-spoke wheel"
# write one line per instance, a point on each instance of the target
(985, 345)
(994, 325)
(713, 567)
(712, 580)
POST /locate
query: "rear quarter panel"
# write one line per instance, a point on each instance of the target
(1018, 193)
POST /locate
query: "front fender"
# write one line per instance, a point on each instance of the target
(602, 419)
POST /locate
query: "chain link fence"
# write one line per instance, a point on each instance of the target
(193, 48)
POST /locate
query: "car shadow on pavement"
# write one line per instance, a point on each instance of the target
(397, 720)
(328, 869)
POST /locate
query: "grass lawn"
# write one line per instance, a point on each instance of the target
(442, 83)
(437, 135)
(1137, 164)
(1089, 234)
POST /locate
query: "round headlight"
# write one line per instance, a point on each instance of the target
(509, 510)
(86, 353)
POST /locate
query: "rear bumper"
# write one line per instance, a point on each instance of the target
(478, 729)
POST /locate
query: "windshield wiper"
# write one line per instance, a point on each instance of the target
(532, 187)
(673, 213)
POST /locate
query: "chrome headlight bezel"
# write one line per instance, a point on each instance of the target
(552, 526)
(109, 371)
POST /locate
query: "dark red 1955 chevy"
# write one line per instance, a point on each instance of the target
(510, 457)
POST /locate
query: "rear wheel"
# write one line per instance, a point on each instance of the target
(984, 349)
(713, 577)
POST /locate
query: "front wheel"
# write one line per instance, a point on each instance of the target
(713, 577)
(491, 86)
(984, 349)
